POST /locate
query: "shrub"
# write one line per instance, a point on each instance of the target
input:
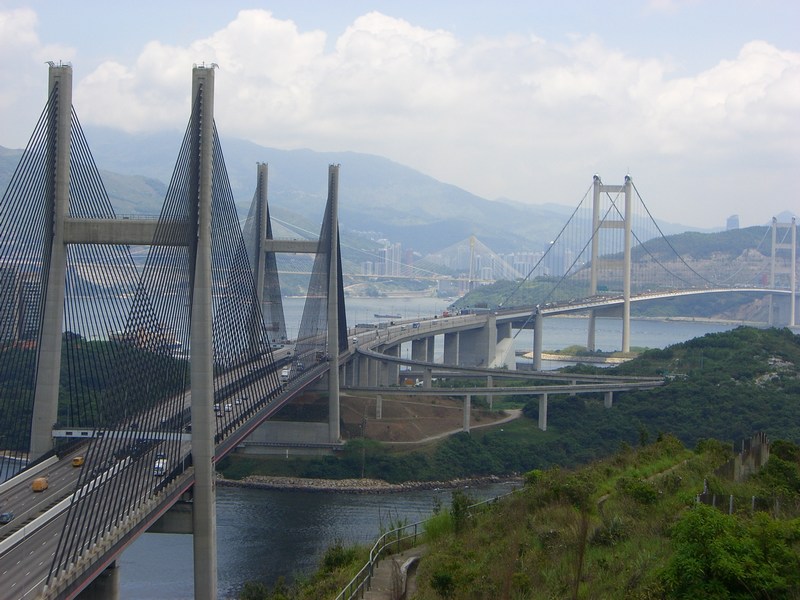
(337, 556)
(639, 490)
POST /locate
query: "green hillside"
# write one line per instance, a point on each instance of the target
(627, 526)
(722, 386)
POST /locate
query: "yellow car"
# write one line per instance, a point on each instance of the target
(78, 461)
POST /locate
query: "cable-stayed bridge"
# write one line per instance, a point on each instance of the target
(100, 351)
(156, 372)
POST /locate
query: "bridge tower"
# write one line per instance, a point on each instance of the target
(263, 248)
(45, 403)
(259, 240)
(204, 514)
(62, 230)
(783, 268)
(596, 262)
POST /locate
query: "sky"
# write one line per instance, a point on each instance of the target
(697, 100)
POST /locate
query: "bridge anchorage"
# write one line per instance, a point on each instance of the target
(151, 372)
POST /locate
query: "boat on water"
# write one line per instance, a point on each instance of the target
(377, 316)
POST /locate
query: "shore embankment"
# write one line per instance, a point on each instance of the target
(359, 486)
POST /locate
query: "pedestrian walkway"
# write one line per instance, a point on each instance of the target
(391, 574)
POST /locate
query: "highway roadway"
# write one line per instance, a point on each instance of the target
(28, 543)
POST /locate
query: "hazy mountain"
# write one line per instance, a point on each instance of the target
(376, 195)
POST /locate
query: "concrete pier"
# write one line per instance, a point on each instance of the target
(543, 412)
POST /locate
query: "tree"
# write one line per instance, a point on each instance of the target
(723, 556)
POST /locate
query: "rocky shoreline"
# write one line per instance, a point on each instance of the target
(358, 486)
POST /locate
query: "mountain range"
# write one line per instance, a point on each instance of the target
(378, 198)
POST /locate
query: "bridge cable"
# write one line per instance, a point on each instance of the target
(541, 259)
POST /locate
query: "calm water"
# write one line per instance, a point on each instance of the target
(265, 534)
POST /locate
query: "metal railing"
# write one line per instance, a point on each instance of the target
(360, 584)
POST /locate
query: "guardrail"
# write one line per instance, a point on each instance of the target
(360, 584)
(27, 474)
(391, 539)
(43, 519)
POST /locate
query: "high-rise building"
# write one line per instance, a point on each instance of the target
(9, 291)
(20, 304)
(29, 308)
(732, 222)
(367, 267)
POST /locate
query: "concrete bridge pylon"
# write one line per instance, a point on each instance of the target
(598, 225)
(202, 362)
(65, 229)
(783, 266)
(45, 403)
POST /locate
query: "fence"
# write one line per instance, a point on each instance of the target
(389, 543)
(753, 456)
(730, 504)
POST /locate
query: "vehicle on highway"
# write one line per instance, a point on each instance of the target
(228, 407)
(160, 467)
(6, 517)
(78, 461)
(285, 374)
(39, 484)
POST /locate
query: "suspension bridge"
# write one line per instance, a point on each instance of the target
(123, 384)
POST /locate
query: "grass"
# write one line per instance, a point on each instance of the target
(597, 532)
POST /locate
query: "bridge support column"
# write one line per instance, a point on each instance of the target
(538, 326)
(427, 378)
(105, 586)
(788, 249)
(597, 225)
(467, 409)
(265, 269)
(362, 371)
(202, 365)
(478, 347)
(378, 407)
(490, 397)
(591, 344)
(419, 349)
(48, 372)
(626, 270)
(608, 399)
(392, 368)
(429, 349)
(383, 373)
(451, 348)
(793, 277)
(374, 373)
(333, 304)
(543, 412)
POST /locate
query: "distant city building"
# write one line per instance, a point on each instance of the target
(29, 308)
(367, 267)
(20, 304)
(9, 287)
(732, 222)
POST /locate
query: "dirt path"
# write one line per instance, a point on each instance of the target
(513, 413)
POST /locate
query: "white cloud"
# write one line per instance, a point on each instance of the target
(21, 69)
(513, 116)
